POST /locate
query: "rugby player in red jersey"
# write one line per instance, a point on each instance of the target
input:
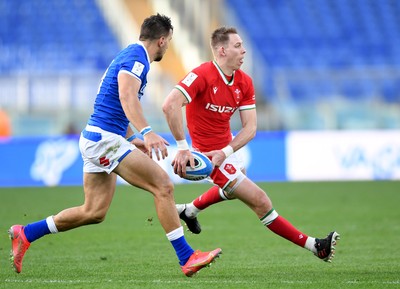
(212, 93)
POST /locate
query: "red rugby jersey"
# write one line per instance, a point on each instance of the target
(212, 101)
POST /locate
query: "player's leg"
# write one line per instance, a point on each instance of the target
(141, 171)
(99, 186)
(215, 194)
(257, 200)
(188, 212)
(99, 190)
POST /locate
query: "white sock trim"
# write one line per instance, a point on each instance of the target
(269, 218)
(192, 210)
(309, 245)
(51, 225)
(175, 234)
(221, 194)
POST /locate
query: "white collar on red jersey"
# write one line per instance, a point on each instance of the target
(227, 82)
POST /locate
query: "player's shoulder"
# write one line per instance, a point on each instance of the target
(242, 78)
(203, 69)
(136, 52)
(133, 59)
(244, 81)
(242, 75)
(135, 47)
(200, 73)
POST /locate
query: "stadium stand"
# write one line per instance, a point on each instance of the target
(317, 64)
(52, 55)
(63, 35)
(321, 35)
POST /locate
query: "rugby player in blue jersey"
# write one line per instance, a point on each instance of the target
(109, 149)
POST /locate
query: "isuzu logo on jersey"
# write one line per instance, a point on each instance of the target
(220, 108)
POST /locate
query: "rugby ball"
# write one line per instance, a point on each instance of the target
(202, 167)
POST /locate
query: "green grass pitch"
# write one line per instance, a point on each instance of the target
(130, 250)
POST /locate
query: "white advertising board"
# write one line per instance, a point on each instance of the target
(343, 155)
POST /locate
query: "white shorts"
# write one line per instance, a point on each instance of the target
(101, 150)
(229, 171)
(240, 158)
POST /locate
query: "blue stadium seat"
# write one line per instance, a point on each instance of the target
(324, 34)
(46, 36)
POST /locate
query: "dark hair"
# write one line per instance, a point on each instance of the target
(221, 35)
(155, 27)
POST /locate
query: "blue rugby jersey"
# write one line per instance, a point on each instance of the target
(108, 113)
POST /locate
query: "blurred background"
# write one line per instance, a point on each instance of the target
(326, 72)
(316, 64)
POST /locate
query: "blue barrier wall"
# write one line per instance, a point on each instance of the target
(270, 156)
(38, 161)
(52, 161)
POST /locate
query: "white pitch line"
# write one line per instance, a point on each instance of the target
(158, 281)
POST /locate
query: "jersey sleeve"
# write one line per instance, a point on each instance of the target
(249, 99)
(134, 68)
(192, 85)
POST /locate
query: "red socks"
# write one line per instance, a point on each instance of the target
(285, 229)
(279, 225)
(210, 197)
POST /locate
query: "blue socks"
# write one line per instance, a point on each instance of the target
(182, 248)
(36, 230)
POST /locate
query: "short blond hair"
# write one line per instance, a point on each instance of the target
(221, 36)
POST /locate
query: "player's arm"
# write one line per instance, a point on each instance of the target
(130, 134)
(128, 88)
(172, 108)
(132, 138)
(247, 133)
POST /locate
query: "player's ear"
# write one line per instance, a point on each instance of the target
(222, 51)
(161, 41)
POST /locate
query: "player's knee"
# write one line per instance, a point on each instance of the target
(263, 201)
(95, 216)
(230, 189)
(165, 189)
(98, 218)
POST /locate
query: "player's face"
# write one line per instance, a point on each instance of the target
(235, 51)
(164, 44)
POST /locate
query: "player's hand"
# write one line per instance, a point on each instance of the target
(156, 143)
(139, 143)
(217, 157)
(182, 158)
